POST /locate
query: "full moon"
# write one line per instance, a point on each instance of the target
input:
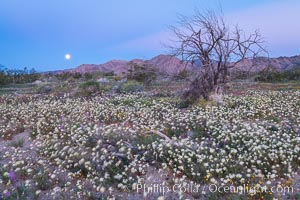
(67, 56)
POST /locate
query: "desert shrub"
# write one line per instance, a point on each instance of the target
(142, 73)
(18, 76)
(18, 143)
(91, 141)
(183, 104)
(276, 76)
(199, 87)
(145, 139)
(19, 192)
(202, 103)
(105, 87)
(242, 75)
(89, 88)
(44, 89)
(63, 76)
(42, 180)
(9, 133)
(183, 74)
(110, 73)
(117, 78)
(131, 86)
(116, 88)
(87, 76)
(77, 75)
(272, 76)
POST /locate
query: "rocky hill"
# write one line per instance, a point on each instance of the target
(280, 63)
(172, 65)
(165, 63)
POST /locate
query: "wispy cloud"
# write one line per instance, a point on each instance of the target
(278, 23)
(152, 42)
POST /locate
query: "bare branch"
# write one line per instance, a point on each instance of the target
(205, 38)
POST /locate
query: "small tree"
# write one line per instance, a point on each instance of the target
(216, 47)
(144, 73)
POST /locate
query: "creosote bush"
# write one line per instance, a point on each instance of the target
(144, 73)
(89, 88)
(276, 76)
(131, 86)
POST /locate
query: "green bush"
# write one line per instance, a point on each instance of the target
(144, 73)
(275, 76)
(87, 76)
(110, 73)
(117, 78)
(17, 76)
(183, 74)
(42, 180)
(44, 89)
(131, 86)
(105, 87)
(89, 88)
(183, 104)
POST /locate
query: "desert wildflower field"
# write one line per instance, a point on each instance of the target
(112, 147)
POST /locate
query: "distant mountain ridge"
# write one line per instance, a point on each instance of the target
(165, 63)
(172, 65)
(280, 63)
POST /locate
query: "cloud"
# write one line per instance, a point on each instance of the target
(149, 43)
(277, 21)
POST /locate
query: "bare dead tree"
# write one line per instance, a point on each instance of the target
(205, 39)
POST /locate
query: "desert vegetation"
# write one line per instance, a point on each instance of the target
(275, 76)
(203, 131)
(17, 76)
(208, 42)
(104, 146)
